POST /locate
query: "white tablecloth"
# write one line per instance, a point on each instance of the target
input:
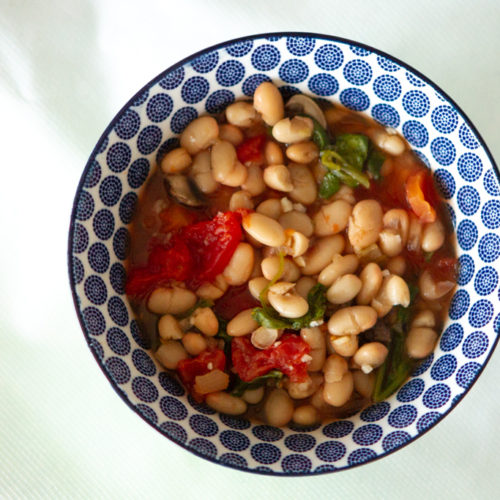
(66, 68)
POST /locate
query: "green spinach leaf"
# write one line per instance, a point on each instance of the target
(240, 386)
(329, 185)
(353, 148)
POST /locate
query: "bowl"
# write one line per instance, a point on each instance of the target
(363, 79)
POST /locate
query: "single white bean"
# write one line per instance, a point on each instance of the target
(262, 338)
(264, 229)
(256, 285)
(420, 342)
(230, 133)
(199, 134)
(365, 223)
(270, 267)
(389, 143)
(305, 415)
(371, 279)
(394, 291)
(205, 320)
(170, 353)
(305, 189)
(302, 390)
(226, 403)
(278, 408)
(242, 324)
(286, 301)
(175, 161)
(273, 153)
(278, 177)
(303, 152)
(433, 236)
(364, 383)
(431, 289)
(297, 220)
(335, 368)
(398, 220)
(344, 289)
(268, 102)
(240, 199)
(338, 393)
(390, 242)
(296, 129)
(370, 355)
(169, 328)
(396, 265)
(241, 113)
(304, 285)
(254, 184)
(424, 318)
(352, 320)
(201, 173)
(194, 343)
(332, 218)
(226, 168)
(240, 266)
(253, 396)
(270, 208)
(213, 291)
(345, 345)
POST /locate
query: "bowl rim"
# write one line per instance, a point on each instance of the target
(109, 128)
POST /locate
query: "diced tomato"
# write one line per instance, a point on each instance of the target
(236, 299)
(252, 150)
(285, 355)
(189, 369)
(417, 186)
(195, 253)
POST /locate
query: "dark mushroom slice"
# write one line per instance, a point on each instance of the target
(184, 190)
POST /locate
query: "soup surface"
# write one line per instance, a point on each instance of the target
(291, 262)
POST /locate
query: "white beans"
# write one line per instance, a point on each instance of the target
(270, 267)
(396, 265)
(370, 355)
(230, 133)
(390, 242)
(170, 353)
(420, 342)
(304, 285)
(341, 264)
(240, 199)
(344, 289)
(321, 253)
(273, 153)
(296, 129)
(226, 168)
(305, 415)
(332, 218)
(278, 408)
(364, 383)
(424, 318)
(352, 320)
(225, 403)
(296, 243)
(414, 234)
(206, 321)
(278, 177)
(262, 338)
(316, 340)
(286, 301)
(199, 134)
(253, 396)
(338, 393)
(194, 343)
(297, 220)
(256, 285)
(213, 291)
(264, 229)
(432, 236)
(241, 113)
(169, 328)
(398, 220)
(201, 173)
(394, 291)
(255, 181)
(431, 289)
(268, 102)
(334, 368)
(371, 279)
(303, 152)
(365, 223)
(173, 300)
(175, 161)
(389, 143)
(346, 345)
(240, 266)
(242, 324)
(305, 189)
(270, 208)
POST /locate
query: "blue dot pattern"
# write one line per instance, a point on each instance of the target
(149, 127)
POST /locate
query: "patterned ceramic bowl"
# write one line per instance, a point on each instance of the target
(362, 79)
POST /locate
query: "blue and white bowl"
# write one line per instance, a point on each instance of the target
(362, 79)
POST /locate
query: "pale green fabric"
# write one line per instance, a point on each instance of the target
(66, 68)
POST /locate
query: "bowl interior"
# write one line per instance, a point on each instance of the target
(362, 79)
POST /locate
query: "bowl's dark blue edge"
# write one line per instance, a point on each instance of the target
(111, 126)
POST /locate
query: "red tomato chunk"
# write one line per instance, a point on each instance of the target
(252, 150)
(288, 355)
